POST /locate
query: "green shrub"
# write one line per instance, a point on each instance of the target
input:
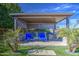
(77, 50)
(3, 46)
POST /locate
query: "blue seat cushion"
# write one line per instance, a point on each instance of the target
(29, 36)
(42, 36)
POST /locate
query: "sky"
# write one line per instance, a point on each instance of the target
(53, 7)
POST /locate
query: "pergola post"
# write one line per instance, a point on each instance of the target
(54, 30)
(67, 23)
(15, 23)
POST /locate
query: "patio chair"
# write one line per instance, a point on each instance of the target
(29, 36)
(42, 36)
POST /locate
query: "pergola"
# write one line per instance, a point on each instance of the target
(52, 18)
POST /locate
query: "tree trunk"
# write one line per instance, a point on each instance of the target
(16, 45)
(12, 48)
(70, 48)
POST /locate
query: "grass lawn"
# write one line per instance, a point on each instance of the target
(60, 51)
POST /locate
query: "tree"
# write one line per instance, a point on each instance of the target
(69, 33)
(5, 19)
(72, 35)
(11, 38)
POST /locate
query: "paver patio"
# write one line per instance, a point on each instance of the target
(42, 52)
(49, 43)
